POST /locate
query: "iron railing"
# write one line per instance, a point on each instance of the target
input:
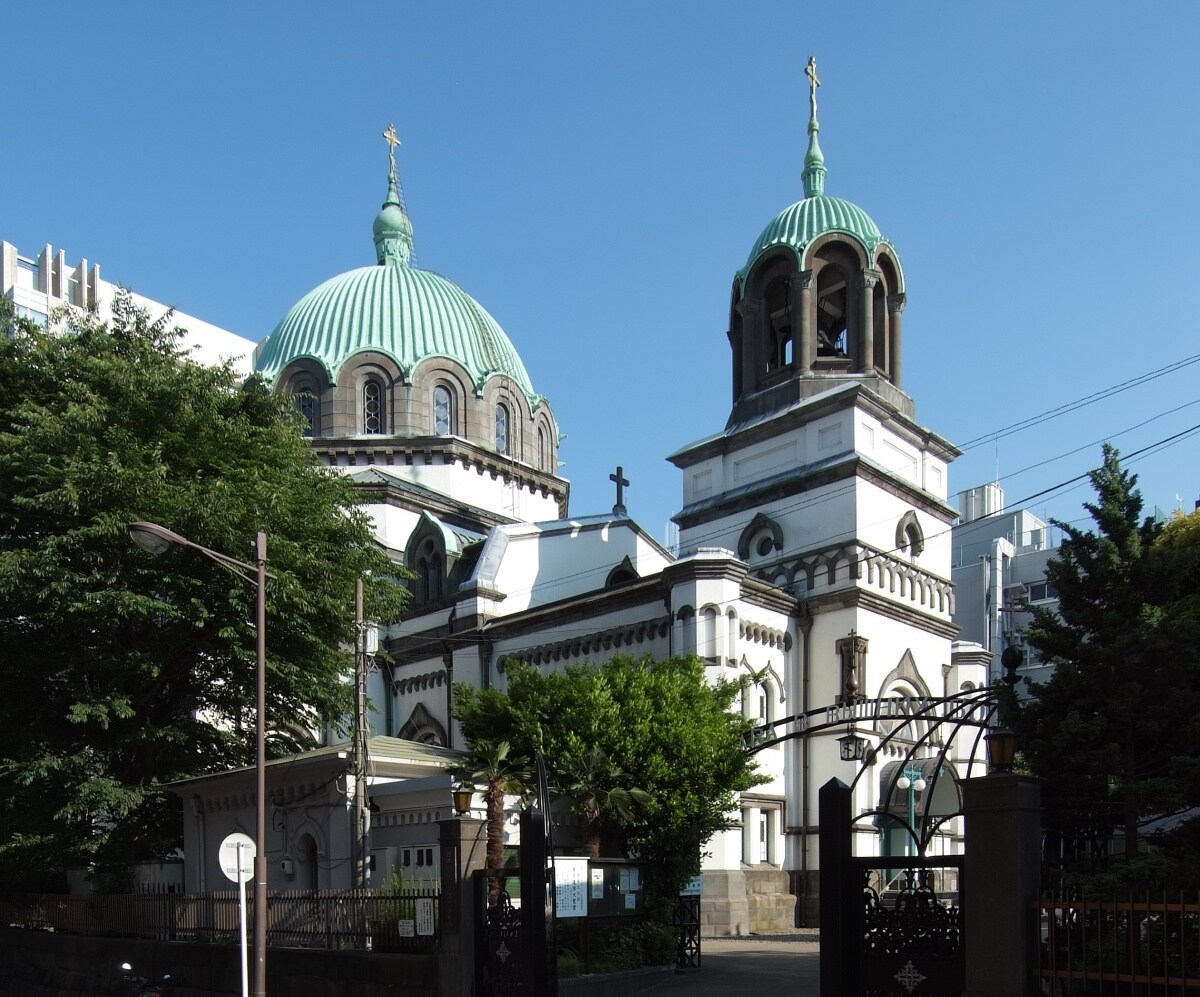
(407, 921)
(1139, 944)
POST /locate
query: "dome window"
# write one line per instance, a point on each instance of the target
(304, 397)
(543, 450)
(306, 406)
(372, 407)
(443, 411)
(502, 440)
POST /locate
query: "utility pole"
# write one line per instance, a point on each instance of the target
(362, 811)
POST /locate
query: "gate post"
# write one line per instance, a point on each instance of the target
(463, 845)
(1002, 871)
(541, 980)
(841, 897)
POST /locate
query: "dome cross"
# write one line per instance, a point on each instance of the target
(813, 82)
(389, 136)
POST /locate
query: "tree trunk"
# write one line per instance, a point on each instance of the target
(589, 832)
(494, 798)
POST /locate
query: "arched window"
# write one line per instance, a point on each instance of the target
(543, 450)
(731, 635)
(430, 573)
(909, 537)
(501, 429)
(372, 407)
(779, 318)
(307, 407)
(443, 411)
(707, 646)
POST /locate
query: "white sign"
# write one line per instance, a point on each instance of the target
(230, 855)
(570, 887)
(407, 928)
(424, 916)
(692, 888)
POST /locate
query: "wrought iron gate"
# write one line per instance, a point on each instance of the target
(515, 943)
(687, 932)
(891, 926)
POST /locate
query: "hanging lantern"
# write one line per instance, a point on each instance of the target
(853, 748)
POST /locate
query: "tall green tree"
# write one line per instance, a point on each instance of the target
(123, 671)
(1112, 730)
(630, 724)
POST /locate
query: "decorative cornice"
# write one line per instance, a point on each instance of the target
(414, 683)
(758, 633)
(393, 451)
(580, 647)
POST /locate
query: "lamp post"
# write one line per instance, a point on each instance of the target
(156, 539)
(912, 782)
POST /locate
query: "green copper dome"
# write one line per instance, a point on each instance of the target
(396, 309)
(406, 313)
(800, 223)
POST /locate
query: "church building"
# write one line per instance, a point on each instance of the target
(814, 527)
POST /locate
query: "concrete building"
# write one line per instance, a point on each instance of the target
(999, 572)
(40, 285)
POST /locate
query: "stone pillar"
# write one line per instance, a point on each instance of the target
(753, 362)
(895, 310)
(866, 317)
(463, 842)
(804, 350)
(1002, 866)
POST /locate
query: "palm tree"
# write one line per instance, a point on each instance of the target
(594, 783)
(490, 762)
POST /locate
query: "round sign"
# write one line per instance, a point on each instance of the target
(229, 857)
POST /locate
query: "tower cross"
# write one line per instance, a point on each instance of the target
(622, 483)
(389, 136)
(811, 72)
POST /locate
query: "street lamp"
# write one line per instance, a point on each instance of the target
(156, 539)
(463, 794)
(912, 782)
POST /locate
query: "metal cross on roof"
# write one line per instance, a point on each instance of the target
(811, 72)
(622, 483)
(389, 136)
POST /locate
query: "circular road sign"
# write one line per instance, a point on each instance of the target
(228, 856)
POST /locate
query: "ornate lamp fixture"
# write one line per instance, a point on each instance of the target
(852, 747)
(463, 793)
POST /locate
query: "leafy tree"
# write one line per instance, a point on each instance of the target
(492, 763)
(654, 726)
(1115, 726)
(123, 671)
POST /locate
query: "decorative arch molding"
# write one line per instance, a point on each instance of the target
(903, 682)
(768, 674)
(906, 673)
(909, 535)
(622, 574)
(442, 372)
(827, 239)
(761, 523)
(422, 727)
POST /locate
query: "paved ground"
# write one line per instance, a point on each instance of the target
(766, 966)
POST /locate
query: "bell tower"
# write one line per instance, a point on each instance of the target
(820, 298)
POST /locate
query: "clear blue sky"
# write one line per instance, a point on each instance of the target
(595, 174)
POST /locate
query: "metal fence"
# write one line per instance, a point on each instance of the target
(407, 921)
(1135, 945)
